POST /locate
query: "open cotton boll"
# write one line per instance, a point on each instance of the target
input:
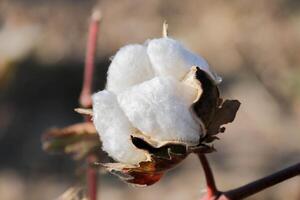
(160, 109)
(130, 66)
(169, 57)
(114, 129)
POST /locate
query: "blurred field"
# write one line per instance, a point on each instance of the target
(253, 45)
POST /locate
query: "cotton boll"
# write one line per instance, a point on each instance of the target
(160, 108)
(130, 66)
(114, 129)
(169, 57)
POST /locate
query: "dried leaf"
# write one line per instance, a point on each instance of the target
(223, 115)
(211, 109)
(78, 139)
(207, 104)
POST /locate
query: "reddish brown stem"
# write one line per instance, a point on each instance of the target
(85, 98)
(212, 190)
(261, 184)
(91, 179)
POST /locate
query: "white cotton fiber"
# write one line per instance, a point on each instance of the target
(129, 66)
(160, 108)
(169, 57)
(114, 129)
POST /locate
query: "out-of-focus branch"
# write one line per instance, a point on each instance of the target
(85, 98)
(92, 181)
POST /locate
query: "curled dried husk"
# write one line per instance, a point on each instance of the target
(161, 159)
(211, 109)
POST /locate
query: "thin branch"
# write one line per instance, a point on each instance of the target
(85, 98)
(92, 182)
(261, 184)
(211, 187)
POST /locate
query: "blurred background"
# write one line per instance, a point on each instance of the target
(254, 45)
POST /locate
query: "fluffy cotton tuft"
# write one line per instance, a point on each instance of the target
(160, 108)
(114, 129)
(145, 91)
(130, 66)
(171, 58)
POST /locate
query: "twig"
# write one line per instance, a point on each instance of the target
(92, 182)
(211, 187)
(85, 98)
(261, 184)
(247, 190)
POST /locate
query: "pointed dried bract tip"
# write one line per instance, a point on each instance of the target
(165, 29)
(84, 111)
(96, 15)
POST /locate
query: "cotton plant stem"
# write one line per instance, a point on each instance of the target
(92, 178)
(92, 181)
(85, 98)
(261, 184)
(247, 190)
(211, 187)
